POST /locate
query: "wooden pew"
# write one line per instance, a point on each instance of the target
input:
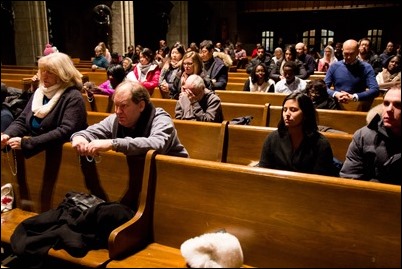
(14, 66)
(257, 98)
(346, 121)
(15, 76)
(168, 105)
(203, 140)
(361, 105)
(237, 79)
(235, 86)
(23, 84)
(15, 83)
(98, 103)
(282, 219)
(238, 75)
(96, 77)
(260, 113)
(237, 144)
(230, 110)
(30, 71)
(95, 117)
(316, 76)
(244, 143)
(127, 181)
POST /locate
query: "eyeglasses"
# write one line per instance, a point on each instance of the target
(188, 64)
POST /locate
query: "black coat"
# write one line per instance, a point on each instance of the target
(67, 117)
(73, 226)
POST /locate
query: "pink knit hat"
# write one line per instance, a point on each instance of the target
(48, 49)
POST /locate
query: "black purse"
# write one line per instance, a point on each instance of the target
(245, 120)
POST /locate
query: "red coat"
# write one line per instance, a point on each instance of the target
(151, 79)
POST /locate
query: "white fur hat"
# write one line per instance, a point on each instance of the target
(213, 250)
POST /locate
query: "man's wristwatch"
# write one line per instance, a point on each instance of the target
(114, 144)
(355, 98)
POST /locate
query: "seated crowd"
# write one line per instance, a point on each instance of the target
(56, 114)
(192, 76)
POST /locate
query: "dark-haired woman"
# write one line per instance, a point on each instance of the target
(297, 145)
(147, 71)
(258, 80)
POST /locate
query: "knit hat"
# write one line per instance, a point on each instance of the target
(48, 50)
(213, 250)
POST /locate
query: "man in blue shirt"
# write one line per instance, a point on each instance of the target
(351, 78)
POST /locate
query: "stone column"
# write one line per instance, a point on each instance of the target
(178, 28)
(31, 31)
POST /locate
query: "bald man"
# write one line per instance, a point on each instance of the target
(352, 79)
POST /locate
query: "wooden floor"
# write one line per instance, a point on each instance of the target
(10, 261)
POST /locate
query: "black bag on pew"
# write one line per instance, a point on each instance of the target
(245, 120)
(82, 222)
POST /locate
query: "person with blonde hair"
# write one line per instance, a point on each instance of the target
(54, 112)
(99, 61)
(191, 63)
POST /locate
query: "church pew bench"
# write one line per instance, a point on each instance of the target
(15, 66)
(237, 79)
(235, 86)
(346, 121)
(257, 98)
(281, 218)
(229, 110)
(30, 71)
(116, 185)
(260, 113)
(203, 140)
(96, 77)
(16, 76)
(244, 143)
(98, 103)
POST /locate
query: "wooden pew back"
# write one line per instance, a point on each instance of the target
(243, 75)
(282, 219)
(260, 113)
(230, 110)
(15, 76)
(30, 71)
(96, 77)
(256, 98)
(235, 86)
(99, 103)
(245, 143)
(346, 121)
(113, 175)
(203, 140)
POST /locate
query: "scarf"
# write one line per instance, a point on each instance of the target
(53, 93)
(144, 68)
(142, 127)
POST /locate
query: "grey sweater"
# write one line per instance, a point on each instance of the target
(163, 136)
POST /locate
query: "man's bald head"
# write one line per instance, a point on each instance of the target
(350, 51)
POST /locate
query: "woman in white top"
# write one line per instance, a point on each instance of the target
(258, 80)
(390, 74)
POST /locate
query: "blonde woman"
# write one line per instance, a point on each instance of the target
(55, 111)
(190, 64)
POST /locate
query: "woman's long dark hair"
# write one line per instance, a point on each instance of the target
(310, 115)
